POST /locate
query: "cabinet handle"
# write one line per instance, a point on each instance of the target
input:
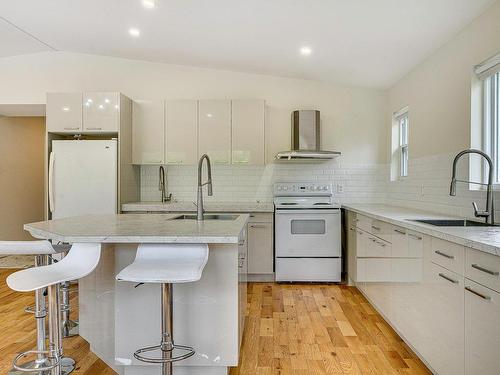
(375, 228)
(448, 278)
(351, 229)
(77, 128)
(469, 289)
(444, 254)
(94, 128)
(399, 231)
(252, 215)
(478, 267)
(241, 243)
(359, 232)
(257, 226)
(415, 236)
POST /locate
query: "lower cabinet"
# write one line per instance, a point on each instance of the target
(482, 330)
(242, 281)
(260, 247)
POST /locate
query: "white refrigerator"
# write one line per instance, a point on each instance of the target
(83, 178)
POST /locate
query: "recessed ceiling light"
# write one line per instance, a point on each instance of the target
(134, 32)
(149, 4)
(305, 51)
(209, 115)
(65, 109)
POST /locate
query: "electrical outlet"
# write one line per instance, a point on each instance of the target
(340, 188)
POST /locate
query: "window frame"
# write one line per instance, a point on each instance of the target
(491, 124)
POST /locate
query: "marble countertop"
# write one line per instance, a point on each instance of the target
(138, 228)
(186, 206)
(485, 239)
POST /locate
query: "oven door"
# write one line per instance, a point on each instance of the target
(308, 233)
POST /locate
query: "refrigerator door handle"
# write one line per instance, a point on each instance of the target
(51, 182)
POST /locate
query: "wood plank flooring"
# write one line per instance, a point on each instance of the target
(290, 329)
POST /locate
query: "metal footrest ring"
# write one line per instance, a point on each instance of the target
(18, 367)
(190, 352)
(29, 309)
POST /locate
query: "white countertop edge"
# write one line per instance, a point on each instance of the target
(236, 207)
(439, 232)
(41, 234)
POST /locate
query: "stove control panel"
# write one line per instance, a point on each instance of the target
(303, 188)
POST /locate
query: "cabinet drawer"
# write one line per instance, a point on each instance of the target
(483, 268)
(399, 242)
(363, 222)
(448, 255)
(375, 247)
(381, 229)
(260, 218)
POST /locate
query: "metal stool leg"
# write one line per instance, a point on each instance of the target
(167, 345)
(69, 327)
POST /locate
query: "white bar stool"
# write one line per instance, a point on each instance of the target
(166, 264)
(81, 260)
(42, 250)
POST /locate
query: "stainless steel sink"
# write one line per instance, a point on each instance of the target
(207, 217)
(453, 223)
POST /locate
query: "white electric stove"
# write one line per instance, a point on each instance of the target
(307, 233)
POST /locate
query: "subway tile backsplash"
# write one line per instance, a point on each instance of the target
(426, 187)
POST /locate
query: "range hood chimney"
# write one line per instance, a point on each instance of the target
(306, 138)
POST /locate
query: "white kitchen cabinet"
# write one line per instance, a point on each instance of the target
(242, 281)
(415, 244)
(64, 112)
(482, 331)
(351, 247)
(443, 341)
(260, 248)
(214, 130)
(181, 143)
(148, 132)
(101, 112)
(399, 242)
(248, 131)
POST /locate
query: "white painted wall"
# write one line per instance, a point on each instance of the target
(438, 94)
(353, 118)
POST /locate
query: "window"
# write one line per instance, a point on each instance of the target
(399, 144)
(403, 144)
(485, 126)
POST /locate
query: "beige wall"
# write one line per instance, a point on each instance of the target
(22, 141)
(353, 118)
(438, 91)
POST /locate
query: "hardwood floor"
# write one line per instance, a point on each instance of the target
(290, 329)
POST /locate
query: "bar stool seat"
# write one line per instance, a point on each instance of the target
(166, 264)
(81, 260)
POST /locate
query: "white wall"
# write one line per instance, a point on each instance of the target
(353, 118)
(438, 94)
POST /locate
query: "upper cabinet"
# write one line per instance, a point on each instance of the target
(91, 112)
(101, 111)
(148, 132)
(214, 130)
(64, 112)
(181, 142)
(248, 139)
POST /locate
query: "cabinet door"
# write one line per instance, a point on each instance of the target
(482, 331)
(248, 143)
(148, 132)
(214, 130)
(399, 242)
(442, 343)
(101, 112)
(181, 144)
(260, 248)
(64, 112)
(351, 250)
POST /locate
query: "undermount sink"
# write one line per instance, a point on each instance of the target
(207, 217)
(453, 223)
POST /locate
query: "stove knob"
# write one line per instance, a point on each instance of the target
(285, 188)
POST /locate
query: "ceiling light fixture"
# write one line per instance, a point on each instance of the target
(305, 51)
(134, 32)
(149, 4)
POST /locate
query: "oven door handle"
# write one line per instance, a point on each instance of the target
(295, 212)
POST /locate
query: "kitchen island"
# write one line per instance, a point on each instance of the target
(117, 318)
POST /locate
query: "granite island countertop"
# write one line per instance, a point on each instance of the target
(486, 239)
(186, 206)
(138, 228)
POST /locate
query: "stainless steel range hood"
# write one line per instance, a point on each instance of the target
(306, 139)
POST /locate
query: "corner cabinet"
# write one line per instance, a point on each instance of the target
(248, 132)
(64, 112)
(214, 130)
(148, 132)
